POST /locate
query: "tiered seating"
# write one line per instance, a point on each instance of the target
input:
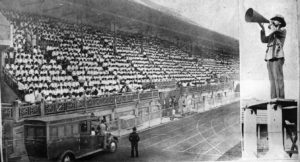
(60, 60)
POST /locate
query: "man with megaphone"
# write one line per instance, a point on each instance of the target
(274, 54)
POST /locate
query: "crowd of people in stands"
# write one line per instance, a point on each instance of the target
(54, 60)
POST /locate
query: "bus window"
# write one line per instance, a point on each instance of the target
(75, 129)
(83, 126)
(68, 130)
(53, 133)
(61, 131)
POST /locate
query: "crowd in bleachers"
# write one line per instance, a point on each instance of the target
(53, 60)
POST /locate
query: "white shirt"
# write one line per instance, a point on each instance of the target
(30, 98)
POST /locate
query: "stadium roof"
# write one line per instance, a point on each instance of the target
(128, 15)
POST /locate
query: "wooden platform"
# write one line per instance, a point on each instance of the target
(278, 113)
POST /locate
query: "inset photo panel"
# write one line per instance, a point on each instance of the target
(269, 70)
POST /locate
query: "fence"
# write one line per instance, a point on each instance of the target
(207, 88)
(63, 106)
(164, 113)
(7, 110)
(73, 105)
(164, 85)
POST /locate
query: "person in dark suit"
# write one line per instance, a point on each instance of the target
(134, 139)
(275, 55)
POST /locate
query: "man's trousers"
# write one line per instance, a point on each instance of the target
(276, 77)
(134, 146)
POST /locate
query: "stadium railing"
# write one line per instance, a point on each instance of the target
(165, 85)
(164, 113)
(7, 110)
(80, 104)
(19, 110)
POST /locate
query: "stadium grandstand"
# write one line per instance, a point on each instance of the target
(72, 60)
(101, 58)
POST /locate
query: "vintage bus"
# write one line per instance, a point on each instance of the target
(66, 137)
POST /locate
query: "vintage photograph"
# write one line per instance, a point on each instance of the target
(269, 70)
(149, 80)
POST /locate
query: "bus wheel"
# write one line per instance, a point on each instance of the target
(67, 158)
(113, 146)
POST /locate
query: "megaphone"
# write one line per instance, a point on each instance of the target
(253, 16)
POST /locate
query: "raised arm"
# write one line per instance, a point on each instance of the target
(263, 36)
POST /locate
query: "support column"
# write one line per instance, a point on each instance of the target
(205, 103)
(150, 111)
(42, 108)
(16, 107)
(113, 111)
(113, 114)
(275, 136)
(258, 132)
(197, 103)
(149, 119)
(136, 114)
(119, 126)
(250, 138)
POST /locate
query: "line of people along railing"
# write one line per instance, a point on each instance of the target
(73, 105)
(62, 106)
